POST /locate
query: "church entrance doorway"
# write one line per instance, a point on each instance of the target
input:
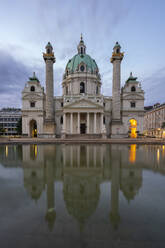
(33, 128)
(133, 128)
(82, 128)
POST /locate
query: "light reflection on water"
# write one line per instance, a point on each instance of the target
(85, 189)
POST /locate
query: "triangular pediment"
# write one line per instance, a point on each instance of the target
(83, 103)
(131, 96)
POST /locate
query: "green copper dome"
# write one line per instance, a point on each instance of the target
(73, 64)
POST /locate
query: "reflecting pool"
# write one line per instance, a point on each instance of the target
(82, 196)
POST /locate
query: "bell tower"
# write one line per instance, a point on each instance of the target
(49, 124)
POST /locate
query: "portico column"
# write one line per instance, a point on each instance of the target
(64, 122)
(87, 122)
(71, 123)
(94, 122)
(78, 122)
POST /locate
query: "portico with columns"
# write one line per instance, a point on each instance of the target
(83, 117)
(82, 122)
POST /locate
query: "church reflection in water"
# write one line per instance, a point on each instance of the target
(82, 169)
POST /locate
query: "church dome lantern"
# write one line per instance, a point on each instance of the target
(81, 47)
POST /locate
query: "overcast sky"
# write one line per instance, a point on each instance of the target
(27, 26)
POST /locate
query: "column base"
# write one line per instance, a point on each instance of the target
(103, 136)
(49, 129)
(103, 132)
(117, 129)
(63, 134)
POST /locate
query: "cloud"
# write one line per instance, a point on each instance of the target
(61, 23)
(154, 87)
(13, 76)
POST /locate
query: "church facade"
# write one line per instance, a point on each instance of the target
(82, 110)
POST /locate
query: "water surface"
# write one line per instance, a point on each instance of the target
(82, 196)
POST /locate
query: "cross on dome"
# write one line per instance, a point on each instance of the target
(81, 37)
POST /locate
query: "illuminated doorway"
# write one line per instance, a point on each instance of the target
(33, 128)
(133, 128)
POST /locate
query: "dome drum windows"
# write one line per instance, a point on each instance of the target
(82, 87)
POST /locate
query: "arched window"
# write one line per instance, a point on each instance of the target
(118, 50)
(32, 88)
(82, 87)
(48, 51)
(81, 50)
(133, 88)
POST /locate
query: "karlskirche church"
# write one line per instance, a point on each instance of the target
(82, 111)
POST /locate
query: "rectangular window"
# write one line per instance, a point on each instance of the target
(133, 104)
(32, 104)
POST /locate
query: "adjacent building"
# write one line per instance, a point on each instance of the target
(154, 121)
(9, 118)
(82, 110)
